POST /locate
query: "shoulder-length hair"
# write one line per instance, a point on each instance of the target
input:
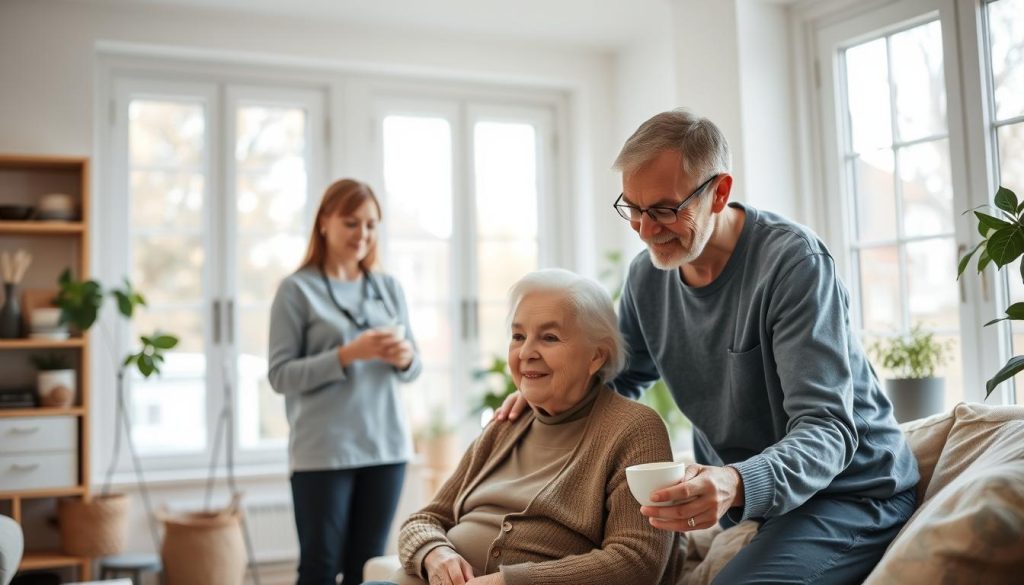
(342, 197)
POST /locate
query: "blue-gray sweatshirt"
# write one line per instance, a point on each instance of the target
(339, 417)
(765, 364)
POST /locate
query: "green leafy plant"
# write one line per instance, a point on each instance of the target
(916, 355)
(1002, 242)
(499, 381)
(80, 303)
(49, 362)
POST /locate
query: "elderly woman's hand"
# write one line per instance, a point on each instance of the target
(446, 567)
(492, 579)
(513, 406)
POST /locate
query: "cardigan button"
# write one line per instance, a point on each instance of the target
(496, 553)
(506, 526)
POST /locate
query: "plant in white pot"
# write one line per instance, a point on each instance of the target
(95, 525)
(56, 381)
(914, 390)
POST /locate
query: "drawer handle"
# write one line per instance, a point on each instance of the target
(24, 467)
(24, 430)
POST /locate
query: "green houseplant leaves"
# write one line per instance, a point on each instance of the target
(80, 303)
(1002, 243)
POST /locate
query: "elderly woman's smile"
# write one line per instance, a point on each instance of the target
(551, 359)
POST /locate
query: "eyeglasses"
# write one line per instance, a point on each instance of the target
(660, 214)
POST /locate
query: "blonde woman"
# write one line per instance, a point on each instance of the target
(340, 343)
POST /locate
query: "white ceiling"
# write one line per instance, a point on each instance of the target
(591, 23)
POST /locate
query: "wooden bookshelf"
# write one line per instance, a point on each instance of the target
(54, 245)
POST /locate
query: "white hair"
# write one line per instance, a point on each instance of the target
(703, 145)
(591, 305)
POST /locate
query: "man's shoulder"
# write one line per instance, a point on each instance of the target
(775, 233)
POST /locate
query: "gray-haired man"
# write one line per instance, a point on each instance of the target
(742, 314)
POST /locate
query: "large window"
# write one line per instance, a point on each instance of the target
(905, 158)
(464, 184)
(217, 182)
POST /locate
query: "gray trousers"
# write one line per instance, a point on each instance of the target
(831, 539)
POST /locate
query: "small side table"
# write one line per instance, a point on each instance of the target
(133, 565)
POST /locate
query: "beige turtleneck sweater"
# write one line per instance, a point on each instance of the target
(540, 514)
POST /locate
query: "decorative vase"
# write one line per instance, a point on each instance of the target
(93, 527)
(56, 388)
(10, 313)
(914, 398)
(204, 548)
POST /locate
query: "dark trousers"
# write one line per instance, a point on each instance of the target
(343, 517)
(834, 540)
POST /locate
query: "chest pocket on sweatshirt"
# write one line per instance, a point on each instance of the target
(748, 399)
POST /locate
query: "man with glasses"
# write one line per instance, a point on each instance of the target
(741, 312)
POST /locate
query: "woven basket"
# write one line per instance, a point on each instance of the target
(95, 527)
(204, 548)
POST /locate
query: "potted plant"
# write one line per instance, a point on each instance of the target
(95, 525)
(1002, 242)
(915, 391)
(56, 381)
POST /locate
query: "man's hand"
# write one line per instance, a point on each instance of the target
(513, 406)
(446, 567)
(707, 492)
(492, 579)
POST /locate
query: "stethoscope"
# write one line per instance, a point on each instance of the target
(368, 280)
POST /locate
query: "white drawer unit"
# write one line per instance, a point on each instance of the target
(37, 471)
(38, 433)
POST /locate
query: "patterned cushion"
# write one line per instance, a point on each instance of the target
(970, 527)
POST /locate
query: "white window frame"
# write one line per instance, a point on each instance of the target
(347, 131)
(462, 107)
(221, 91)
(827, 27)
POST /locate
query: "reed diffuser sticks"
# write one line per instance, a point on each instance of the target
(13, 267)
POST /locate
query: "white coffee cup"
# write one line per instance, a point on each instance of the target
(649, 477)
(397, 330)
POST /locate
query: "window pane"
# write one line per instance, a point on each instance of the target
(920, 82)
(418, 176)
(1006, 31)
(161, 198)
(867, 89)
(418, 208)
(168, 407)
(1011, 157)
(880, 289)
(166, 134)
(261, 416)
(931, 275)
(167, 141)
(272, 214)
(927, 189)
(875, 196)
(506, 180)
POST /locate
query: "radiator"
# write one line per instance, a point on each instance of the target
(272, 528)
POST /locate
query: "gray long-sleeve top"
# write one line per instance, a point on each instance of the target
(340, 417)
(763, 361)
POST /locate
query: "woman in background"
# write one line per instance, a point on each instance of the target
(340, 343)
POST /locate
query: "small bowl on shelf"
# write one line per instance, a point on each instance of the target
(15, 212)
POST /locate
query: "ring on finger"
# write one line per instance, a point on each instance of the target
(691, 522)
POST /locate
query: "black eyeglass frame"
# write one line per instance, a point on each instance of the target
(624, 209)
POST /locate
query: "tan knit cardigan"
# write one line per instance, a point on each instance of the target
(582, 528)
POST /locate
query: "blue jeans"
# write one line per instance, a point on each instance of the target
(830, 539)
(343, 517)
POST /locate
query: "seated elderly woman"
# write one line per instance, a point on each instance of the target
(545, 499)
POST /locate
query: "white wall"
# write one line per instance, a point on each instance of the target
(767, 108)
(733, 66)
(645, 84)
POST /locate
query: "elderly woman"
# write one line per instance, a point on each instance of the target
(545, 499)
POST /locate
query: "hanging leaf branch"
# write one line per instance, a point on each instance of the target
(1002, 243)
